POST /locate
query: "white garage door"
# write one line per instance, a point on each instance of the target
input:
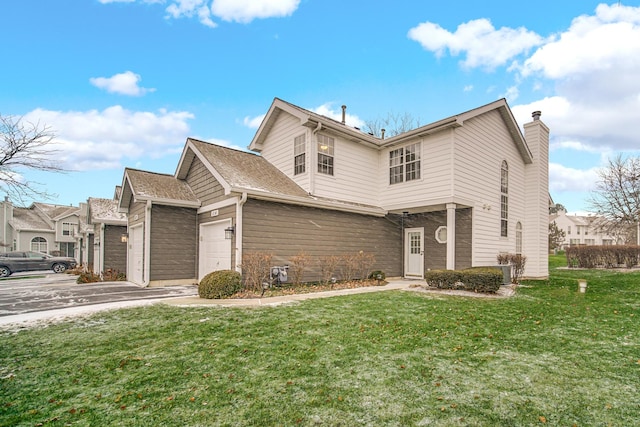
(214, 249)
(136, 252)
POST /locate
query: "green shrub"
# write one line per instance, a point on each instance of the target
(220, 284)
(479, 279)
(607, 256)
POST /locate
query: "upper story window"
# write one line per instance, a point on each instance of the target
(404, 163)
(299, 155)
(326, 146)
(518, 238)
(504, 199)
(68, 229)
(568, 229)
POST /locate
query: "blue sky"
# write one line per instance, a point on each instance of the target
(123, 83)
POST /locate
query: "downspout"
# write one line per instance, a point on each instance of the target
(238, 234)
(147, 246)
(313, 159)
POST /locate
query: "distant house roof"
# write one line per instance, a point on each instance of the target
(105, 211)
(29, 219)
(55, 212)
(155, 187)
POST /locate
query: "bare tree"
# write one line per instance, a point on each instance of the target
(25, 146)
(393, 124)
(617, 195)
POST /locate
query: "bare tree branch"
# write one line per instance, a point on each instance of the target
(393, 124)
(617, 195)
(25, 146)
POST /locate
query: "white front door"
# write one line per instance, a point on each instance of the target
(136, 254)
(414, 252)
(214, 248)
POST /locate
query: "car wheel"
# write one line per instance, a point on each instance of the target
(4, 272)
(59, 268)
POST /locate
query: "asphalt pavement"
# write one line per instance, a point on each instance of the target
(22, 294)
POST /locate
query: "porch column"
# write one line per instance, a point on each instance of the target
(451, 236)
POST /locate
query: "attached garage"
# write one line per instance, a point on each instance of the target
(214, 248)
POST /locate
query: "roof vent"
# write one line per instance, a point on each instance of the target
(536, 115)
(344, 114)
(382, 132)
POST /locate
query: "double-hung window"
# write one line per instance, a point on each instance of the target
(68, 229)
(299, 155)
(326, 146)
(404, 163)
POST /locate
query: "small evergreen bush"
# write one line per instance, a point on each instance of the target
(220, 284)
(487, 280)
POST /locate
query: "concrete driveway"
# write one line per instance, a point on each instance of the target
(31, 292)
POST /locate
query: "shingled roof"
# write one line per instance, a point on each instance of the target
(105, 211)
(247, 171)
(28, 219)
(156, 187)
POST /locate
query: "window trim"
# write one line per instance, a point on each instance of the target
(70, 232)
(300, 154)
(326, 154)
(519, 238)
(405, 163)
(41, 242)
(504, 199)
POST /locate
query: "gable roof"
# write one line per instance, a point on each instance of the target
(56, 212)
(155, 187)
(242, 172)
(105, 211)
(29, 219)
(317, 121)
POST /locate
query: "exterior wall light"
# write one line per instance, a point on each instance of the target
(229, 232)
(124, 238)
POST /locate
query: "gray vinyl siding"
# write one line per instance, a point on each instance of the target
(173, 244)
(435, 253)
(204, 185)
(285, 230)
(89, 250)
(136, 209)
(115, 251)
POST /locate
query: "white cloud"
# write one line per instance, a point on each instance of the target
(609, 40)
(512, 93)
(124, 84)
(483, 45)
(190, 8)
(328, 111)
(88, 140)
(242, 11)
(468, 88)
(245, 11)
(562, 178)
(253, 123)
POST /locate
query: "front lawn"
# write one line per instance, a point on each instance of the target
(548, 356)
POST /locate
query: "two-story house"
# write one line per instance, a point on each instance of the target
(586, 230)
(41, 227)
(451, 194)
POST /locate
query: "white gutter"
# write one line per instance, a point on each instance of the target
(238, 234)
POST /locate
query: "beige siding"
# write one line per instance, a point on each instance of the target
(173, 243)
(435, 184)
(285, 230)
(203, 184)
(481, 146)
(355, 171)
(278, 147)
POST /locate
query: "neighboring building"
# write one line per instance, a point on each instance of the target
(452, 194)
(584, 230)
(106, 236)
(41, 227)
